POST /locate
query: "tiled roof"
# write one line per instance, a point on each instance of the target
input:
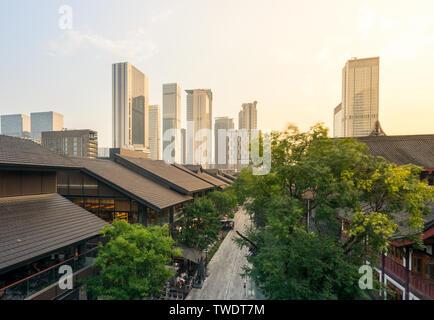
(165, 173)
(153, 194)
(22, 152)
(198, 172)
(415, 149)
(216, 173)
(31, 226)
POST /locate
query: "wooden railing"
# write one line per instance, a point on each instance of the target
(417, 285)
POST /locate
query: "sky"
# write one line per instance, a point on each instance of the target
(287, 55)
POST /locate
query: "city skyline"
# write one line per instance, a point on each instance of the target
(297, 80)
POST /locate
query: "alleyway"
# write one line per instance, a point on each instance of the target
(225, 281)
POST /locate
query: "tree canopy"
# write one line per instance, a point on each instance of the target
(133, 262)
(315, 176)
(224, 201)
(200, 224)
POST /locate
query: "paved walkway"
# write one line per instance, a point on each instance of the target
(224, 281)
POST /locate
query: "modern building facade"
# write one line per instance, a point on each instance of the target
(183, 145)
(248, 116)
(72, 143)
(360, 97)
(45, 121)
(199, 130)
(130, 106)
(172, 115)
(155, 132)
(222, 123)
(15, 125)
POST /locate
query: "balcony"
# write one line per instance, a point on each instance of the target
(27, 287)
(417, 285)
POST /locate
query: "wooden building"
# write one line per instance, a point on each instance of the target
(40, 231)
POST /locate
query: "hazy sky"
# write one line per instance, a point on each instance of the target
(287, 55)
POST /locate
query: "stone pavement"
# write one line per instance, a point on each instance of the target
(224, 281)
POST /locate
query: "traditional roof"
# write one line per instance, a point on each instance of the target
(197, 171)
(415, 149)
(26, 153)
(34, 226)
(216, 173)
(228, 176)
(162, 172)
(134, 184)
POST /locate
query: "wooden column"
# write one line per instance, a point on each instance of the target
(383, 258)
(407, 273)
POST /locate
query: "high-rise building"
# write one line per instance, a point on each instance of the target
(172, 114)
(45, 121)
(360, 96)
(248, 116)
(199, 130)
(222, 123)
(130, 106)
(154, 132)
(15, 125)
(183, 146)
(72, 143)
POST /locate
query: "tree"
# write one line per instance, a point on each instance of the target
(313, 175)
(133, 262)
(224, 201)
(200, 224)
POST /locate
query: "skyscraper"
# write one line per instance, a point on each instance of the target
(224, 123)
(183, 146)
(199, 122)
(360, 97)
(130, 106)
(45, 121)
(248, 116)
(154, 132)
(172, 114)
(15, 125)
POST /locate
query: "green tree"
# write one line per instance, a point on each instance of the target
(224, 201)
(200, 224)
(133, 262)
(313, 175)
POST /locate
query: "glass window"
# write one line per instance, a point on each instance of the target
(90, 187)
(75, 184)
(92, 205)
(62, 183)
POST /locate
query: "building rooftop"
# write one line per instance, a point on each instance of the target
(415, 149)
(162, 172)
(197, 171)
(32, 226)
(216, 173)
(22, 152)
(134, 184)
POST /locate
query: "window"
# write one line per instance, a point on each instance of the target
(429, 271)
(417, 265)
(75, 147)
